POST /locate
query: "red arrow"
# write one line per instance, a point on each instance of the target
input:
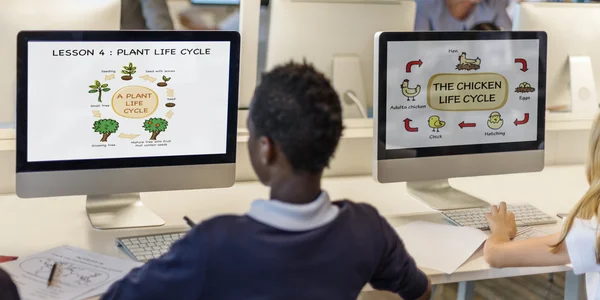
(463, 125)
(412, 63)
(407, 126)
(523, 62)
(522, 122)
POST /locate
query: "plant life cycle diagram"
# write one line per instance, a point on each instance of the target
(459, 93)
(128, 99)
(70, 274)
(133, 94)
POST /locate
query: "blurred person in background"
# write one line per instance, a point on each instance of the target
(458, 15)
(191, 20)
(145, 14)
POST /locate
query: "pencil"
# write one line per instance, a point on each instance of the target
(51, 277)
(189, 222)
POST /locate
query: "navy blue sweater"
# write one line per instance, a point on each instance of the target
(238, 257)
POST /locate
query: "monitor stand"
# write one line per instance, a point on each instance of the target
(439, 195)
(120, 211)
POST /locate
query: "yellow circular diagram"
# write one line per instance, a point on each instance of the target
(134, 102)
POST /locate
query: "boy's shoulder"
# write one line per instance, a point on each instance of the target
(223, 222)
(219, 229)
(356, 206)
(358, 210)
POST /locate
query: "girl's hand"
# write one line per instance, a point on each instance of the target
(502, 222)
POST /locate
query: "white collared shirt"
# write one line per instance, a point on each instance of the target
(294, 217)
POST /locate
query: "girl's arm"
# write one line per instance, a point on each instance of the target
(500, 252)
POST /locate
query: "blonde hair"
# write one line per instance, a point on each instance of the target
(588, 206)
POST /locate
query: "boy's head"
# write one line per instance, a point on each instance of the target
(295, 122)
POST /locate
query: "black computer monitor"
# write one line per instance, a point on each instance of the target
(224, 2)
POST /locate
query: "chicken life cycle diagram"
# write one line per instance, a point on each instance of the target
(447, 93)
(127, 99)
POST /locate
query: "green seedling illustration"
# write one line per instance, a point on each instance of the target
(155, 126)
(128, 71)
(98, 88)
(106, 127)
(164, 82)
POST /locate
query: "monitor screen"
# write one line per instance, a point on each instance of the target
(447, 97)
(89, 100)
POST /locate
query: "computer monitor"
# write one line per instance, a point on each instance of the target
(573, 56)
(456, 104)
(17, 15)
(110, 114)
(224, 2)
(337, 37)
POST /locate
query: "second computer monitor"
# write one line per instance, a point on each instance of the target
(574, 59)
(455, 104)
(337, 37)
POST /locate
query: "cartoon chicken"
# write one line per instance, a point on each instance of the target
(410, 92)
(495, 121)
(436, 123)
(465, 63)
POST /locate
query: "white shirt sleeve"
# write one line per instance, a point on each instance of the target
(581, 246)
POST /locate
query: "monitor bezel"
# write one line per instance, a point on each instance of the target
(386, 37)
(22, 163)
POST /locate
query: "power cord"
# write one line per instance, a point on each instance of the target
(350, 95)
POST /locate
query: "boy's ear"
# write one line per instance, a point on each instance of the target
(267, 151)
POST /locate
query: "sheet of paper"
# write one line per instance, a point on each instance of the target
(440, 247)
(79, 275)
(525, 233)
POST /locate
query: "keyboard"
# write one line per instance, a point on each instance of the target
(144, 248)
(525, 215)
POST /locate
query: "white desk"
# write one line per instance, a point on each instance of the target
(28, 226)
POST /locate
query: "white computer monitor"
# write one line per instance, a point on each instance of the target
(455, 104)
(17, 15)
(573, 55)
(337, 37)
(110, 114)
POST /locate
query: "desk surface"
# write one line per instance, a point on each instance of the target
(28, 226)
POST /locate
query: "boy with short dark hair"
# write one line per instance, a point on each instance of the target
(298, 244)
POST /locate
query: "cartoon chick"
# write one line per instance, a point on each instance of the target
(436, 123)
(495, 121)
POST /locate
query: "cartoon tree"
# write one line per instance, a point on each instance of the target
(98, 87)
(164, 82)
(128, 71)
(156, 126)
(106, 127)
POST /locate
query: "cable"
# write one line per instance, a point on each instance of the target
(357, 102)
